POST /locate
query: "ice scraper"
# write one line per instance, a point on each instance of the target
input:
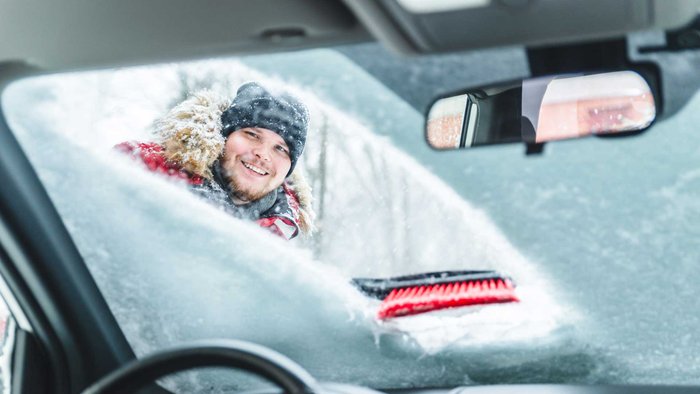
(420, 293)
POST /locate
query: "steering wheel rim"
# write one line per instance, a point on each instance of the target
(245, 356)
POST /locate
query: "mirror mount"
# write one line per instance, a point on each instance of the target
(579, 58)
(534, 148)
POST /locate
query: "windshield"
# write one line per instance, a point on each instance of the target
(599, 236)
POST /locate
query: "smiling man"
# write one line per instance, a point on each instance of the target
(239, 155)
(256, 161)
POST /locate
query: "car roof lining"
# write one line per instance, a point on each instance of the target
(77, 34)
(469, 25)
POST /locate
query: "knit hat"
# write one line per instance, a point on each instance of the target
(256, 107)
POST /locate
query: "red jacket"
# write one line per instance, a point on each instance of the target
(281, 219)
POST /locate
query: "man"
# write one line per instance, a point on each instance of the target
(239, 156)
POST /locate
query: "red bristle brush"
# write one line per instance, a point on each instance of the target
(414, 294)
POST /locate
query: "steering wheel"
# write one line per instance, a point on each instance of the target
(245, 356)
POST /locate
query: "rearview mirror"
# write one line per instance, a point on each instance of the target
(542, 109)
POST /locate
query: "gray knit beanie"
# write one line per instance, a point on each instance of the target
(256, 107)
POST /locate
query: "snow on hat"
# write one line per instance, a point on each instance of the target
(256, 107)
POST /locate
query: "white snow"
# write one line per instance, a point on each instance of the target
(174, 268)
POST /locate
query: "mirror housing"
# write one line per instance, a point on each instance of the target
(542, 109)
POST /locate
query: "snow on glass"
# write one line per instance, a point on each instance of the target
(175, 269)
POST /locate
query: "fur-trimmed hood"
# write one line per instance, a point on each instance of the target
(190, 134)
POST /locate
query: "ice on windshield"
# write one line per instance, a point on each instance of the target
(173, 268)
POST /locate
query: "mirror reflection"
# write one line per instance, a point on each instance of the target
(542, 109)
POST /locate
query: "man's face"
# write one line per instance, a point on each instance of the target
(255, 162)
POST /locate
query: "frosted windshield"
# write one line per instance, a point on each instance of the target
(572, 233)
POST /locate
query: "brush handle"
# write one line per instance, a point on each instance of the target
(380, 288)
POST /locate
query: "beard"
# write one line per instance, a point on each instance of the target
(241, 191)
